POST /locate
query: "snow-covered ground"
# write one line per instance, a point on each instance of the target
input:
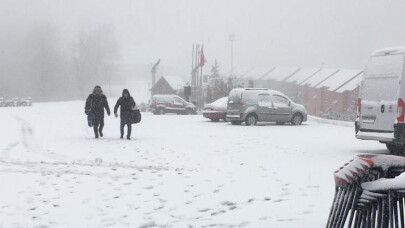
(179, 171)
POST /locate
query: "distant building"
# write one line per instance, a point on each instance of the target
(168, 85)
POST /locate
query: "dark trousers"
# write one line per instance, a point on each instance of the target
(98, 124)
(122, 128)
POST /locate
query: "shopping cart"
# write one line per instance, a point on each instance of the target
(368, 194)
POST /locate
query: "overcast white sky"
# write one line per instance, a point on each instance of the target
(306, 33)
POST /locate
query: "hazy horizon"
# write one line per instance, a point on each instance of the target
(336, 34)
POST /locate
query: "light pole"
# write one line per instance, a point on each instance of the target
(232, 38)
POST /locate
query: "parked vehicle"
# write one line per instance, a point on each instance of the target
(13, 102)
(263, 105)
(2, 104)
(380, 104)
(216, 110)
(162, 104)
(143, 107)
(27, 101)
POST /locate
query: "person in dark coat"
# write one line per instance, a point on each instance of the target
(95, 105)
(127, 104)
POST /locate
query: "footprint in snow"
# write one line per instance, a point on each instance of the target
(286, 220)
(218, 213)
(204, 210)
(264, 218)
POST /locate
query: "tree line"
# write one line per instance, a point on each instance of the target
(43, 64)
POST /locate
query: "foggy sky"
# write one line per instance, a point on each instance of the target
(305, 33)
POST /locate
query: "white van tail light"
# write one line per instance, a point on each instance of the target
(358, 107)
(401, 110)
(241, 100)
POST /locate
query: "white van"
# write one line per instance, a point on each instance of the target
(380, 104)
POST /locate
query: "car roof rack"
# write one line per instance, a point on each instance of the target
(255, 89)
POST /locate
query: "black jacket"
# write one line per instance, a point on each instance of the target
(95, 104)
(126, 105)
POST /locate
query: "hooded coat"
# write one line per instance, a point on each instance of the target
(95, 104)
(126, 105)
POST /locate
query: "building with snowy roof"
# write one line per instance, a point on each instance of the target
(169, 84)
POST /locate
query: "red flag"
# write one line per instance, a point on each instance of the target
(202, 57)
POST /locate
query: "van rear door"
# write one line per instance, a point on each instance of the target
(379, 93)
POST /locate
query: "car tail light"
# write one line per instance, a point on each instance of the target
(358, 107)
(401, 110)
(241, 100)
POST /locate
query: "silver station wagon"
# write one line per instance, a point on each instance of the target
(263, 105)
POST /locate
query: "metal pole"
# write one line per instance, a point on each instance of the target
(232, 38)
(192, 66)
(234, 78)
(196, 63)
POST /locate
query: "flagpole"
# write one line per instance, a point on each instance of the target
(202, 65)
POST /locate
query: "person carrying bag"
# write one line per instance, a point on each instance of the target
(126, 104)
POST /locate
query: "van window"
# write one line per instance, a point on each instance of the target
(280, 99)
(250, 97)
(234, 97)
(387, 65)
(264, 100)
(178, 100)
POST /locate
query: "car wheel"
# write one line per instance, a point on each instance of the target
(161, 111)
(297, 119)
(395, 148)
(280, 123)
(189, 111)
(235, 122)
(251, 120)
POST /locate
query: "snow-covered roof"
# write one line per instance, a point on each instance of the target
(302, 74)
(391, 50)
(350, 85)
(259, 72)
(175, 82)
(319, 77)
(338, 79)
(281, 73)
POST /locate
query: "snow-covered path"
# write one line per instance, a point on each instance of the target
(179, 171)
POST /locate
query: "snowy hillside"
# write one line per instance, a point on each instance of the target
(178, 171)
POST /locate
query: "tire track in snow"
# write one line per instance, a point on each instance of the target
(9, 148)
(29, 142)
(96, 168)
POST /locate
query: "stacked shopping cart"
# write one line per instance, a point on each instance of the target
(369, 193)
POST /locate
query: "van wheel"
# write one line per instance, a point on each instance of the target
(395, 148)
(235, 122)
(161, 111)
(297, 119)
(251, 120)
